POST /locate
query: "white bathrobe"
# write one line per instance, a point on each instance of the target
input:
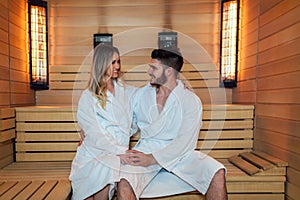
(171, 136)
(107, 133)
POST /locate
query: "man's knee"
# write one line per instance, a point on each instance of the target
(221, 173)
(219, 177)
(123, 183)
(125, 190)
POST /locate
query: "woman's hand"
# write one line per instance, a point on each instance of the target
(137, 158)
(82, 136)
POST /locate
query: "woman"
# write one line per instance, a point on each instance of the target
(105, 116)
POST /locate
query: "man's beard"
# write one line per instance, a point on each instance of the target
(160, 80)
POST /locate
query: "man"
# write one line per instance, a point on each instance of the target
(169, 118)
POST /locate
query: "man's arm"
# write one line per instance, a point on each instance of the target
(185, 141)
(187, 134)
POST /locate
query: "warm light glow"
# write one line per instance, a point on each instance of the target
(229, 40)
(38, 44)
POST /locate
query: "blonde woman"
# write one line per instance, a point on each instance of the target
(105, 116)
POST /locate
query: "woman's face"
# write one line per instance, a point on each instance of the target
(115, 67)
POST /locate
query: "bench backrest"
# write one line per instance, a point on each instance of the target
(51, 133)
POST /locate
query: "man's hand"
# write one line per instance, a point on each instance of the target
(137, 158)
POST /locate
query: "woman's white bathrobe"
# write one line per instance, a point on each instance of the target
(107, 133)
(171, 137)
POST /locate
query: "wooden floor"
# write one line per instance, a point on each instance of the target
(49, 180)
(35, 180)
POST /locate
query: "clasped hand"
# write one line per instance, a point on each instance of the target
(137, 158)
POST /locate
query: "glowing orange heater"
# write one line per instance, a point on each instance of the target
(229, 43)
(38, 51)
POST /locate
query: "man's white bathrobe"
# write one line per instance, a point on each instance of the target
(171, 136)
(107, 133)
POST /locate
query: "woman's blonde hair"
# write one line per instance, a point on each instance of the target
(102, 60)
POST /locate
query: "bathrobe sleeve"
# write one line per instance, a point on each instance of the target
(187, 134)
(87, 118)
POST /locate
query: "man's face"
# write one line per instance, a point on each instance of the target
(157, 73)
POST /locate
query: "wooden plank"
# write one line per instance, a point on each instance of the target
(6, 187)
(6, 148)
(249, 196)
(285, 127)
(275, 68)
(199, 75)
(226, 134)
(10, 194)
(134, 81)
(47, 116)
(204, 83)
(255, 187)
(280, 37)
(292, 190)
(272, 159)
(4, 161)
(58, 146)
(81, 85)
(290, 80)
(257, 161)
(286, 96)
(49, 136)
(44, 190)
(28, 191)
(69, 77)
(245, 124)
(276, 138)
(7, 113)
(227, 114)
(184, 75)
(61, 191)
(65, 156)
(288, 50)
(187, 67)
(243, 165)
(283, 20)
(223, 153)
(70, 69)
(275, 171)
(47, 127)
(224, 144)
(227, 107)
(7, 135)
(59, 108)
(7, 124)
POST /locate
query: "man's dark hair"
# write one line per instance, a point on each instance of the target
(170, 58)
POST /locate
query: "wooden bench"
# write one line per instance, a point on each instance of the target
(7, 135)
(47, 138)
(67, 81)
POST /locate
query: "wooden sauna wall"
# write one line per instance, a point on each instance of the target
(73, 23)
(14, 71)
(269, 78)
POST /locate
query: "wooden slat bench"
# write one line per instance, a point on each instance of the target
(75, 77)
(7, 135)
(47, 138)
(67, 81)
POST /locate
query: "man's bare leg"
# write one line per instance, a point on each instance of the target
(125, 191)
(101, 195)
(217, 189)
